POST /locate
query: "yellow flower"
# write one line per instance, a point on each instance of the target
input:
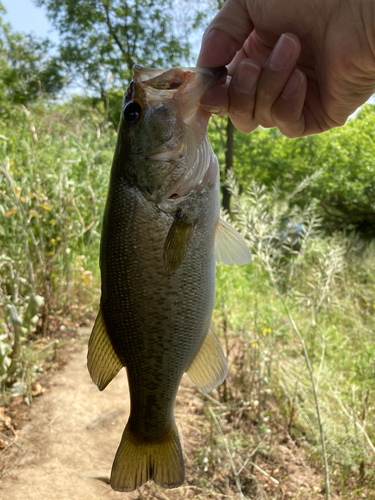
(11, 163)
(17, 191)
(10, 212)
(87, 277)
(53, 240)
(42, 196)
(33, 213)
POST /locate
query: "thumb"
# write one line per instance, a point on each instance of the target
(225, 34)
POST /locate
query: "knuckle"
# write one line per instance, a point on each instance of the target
(244, 124)
(246, 129)
(291, 128)
(241, 111)
(265, 122)
(289, 124)
(290, 133)
(264, 117)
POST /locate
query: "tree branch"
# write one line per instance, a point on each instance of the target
(127, 33)
(112, 31)
(136, 31)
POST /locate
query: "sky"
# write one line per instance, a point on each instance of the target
(24, 16)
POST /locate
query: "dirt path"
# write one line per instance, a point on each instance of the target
(66, 450)
(74, 433)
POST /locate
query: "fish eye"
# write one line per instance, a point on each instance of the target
(132, 111)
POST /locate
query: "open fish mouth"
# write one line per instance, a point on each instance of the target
(184, 87)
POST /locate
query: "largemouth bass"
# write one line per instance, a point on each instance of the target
(161, 233)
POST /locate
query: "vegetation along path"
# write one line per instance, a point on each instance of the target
(66, 450)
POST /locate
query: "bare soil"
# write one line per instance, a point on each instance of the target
(65, 450)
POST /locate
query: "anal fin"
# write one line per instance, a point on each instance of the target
(102, 361)
(209, 368)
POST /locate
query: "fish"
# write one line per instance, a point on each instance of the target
(161, 236)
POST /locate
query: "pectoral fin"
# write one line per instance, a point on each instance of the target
(102, 361)
(209, 368)
(230, 247)
(177, 241)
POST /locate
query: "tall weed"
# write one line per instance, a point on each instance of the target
(298, 328)
(54, 166)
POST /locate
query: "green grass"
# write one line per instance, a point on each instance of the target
(54, 169)
(308, 289)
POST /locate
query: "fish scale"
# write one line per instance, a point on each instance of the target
(151, 321)
(160, 234)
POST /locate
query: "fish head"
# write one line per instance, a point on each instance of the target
(163, 130)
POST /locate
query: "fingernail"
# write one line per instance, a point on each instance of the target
(283, 52)
(212, 109)
(247, 77)
(293, 85)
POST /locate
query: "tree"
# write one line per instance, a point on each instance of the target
(101, 40)
(226, 139)
(26, 67)
(340, 163)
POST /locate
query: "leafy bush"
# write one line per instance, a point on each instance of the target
(342, 160)
(26, 68)
(54, 168)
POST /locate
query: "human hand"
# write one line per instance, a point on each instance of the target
(300, 65)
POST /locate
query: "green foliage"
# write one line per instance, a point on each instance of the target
(101, 40)
(54, 168)
(26, 68)
(344, 158)
(301, 313)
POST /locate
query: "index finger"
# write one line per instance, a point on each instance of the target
(225, 35)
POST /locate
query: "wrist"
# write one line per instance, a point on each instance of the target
(368, 17)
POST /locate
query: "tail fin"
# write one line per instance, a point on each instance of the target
(137, 462)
